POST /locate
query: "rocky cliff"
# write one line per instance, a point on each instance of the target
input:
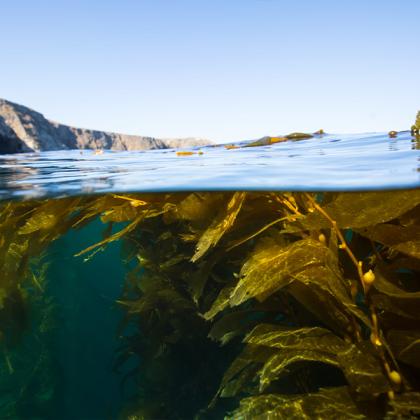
(25, 130)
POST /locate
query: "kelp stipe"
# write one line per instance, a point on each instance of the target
(244, 305)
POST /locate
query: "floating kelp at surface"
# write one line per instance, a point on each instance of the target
(243, 305)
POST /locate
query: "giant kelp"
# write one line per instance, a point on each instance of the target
(27, 383)
(274, 304)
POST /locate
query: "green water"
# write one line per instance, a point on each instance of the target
(81, 345)
(85, 342)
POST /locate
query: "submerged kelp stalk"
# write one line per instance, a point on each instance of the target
(248, 305)
(366, 280)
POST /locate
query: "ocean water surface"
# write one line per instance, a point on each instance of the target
(276, 281)
(326, 163)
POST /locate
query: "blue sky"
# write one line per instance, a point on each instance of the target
(220, 69)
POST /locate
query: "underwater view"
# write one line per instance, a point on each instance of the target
(275, 279)
(209, 210)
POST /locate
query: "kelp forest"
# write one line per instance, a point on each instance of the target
(236, 305)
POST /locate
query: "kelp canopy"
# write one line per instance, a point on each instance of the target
(246, 305)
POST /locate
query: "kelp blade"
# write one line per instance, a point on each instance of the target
(225, 304)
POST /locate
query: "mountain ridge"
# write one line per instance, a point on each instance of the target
(23, 129)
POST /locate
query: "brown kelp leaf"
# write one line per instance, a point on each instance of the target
(187, 153)
(116, 235)
(393, 296)
(411, 218)
(232, 325)
(391, 234)
(221, 302)
(328, 278)
(387, 287)
(121, 213)
(134, 202)
(279, 363)
(14, 256)
(295, 338)
(273, 266)
(122, 209)
(411, 248)
(295, 345)
(362, 369)
(327, 403)
(46, 216)
(252, 235)
(325, 307)
(244, 368)
(357, 210)
(387, 305)
(113, 208)
(269, 268)
(405, 345)
(266, 141)
(92, 209)
(198, 279)
(406, 405)
(403, 262)
(40, 221)
(299, 136)
(266, 335)
(220, 225)
(241, 383)
(198, 208)
(403, 239)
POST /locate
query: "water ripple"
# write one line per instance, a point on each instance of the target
(328, 163)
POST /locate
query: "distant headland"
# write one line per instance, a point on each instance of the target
(25, 130)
